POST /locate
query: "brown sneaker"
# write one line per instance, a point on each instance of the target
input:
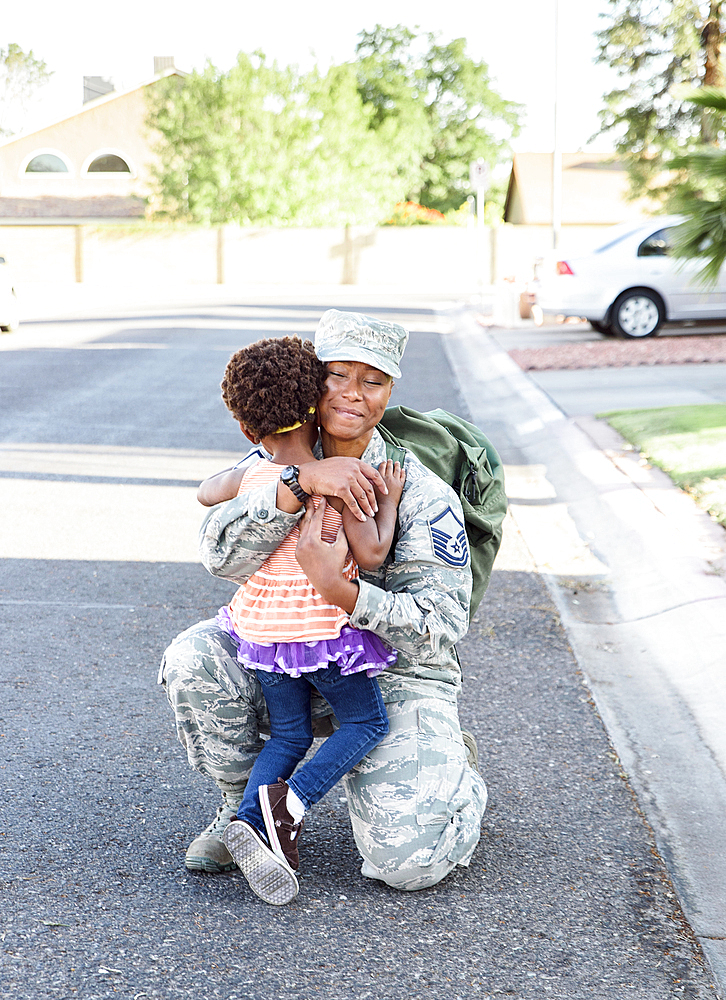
(267, 875)
(282, 830)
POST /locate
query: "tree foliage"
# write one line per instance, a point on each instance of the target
(659, 47)
(20, 76)
(437, 107)
(700, 194)
(264, 144)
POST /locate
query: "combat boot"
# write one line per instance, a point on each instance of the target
(207, 852)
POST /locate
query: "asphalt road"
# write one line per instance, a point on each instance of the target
(106, 426)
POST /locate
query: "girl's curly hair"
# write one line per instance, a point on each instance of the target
(273, 383)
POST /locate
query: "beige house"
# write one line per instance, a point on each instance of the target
(92, 166)
(594, 191)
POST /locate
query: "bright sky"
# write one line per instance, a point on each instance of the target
(517, 41)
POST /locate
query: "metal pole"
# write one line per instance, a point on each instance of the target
(556, 151)
(480, 201)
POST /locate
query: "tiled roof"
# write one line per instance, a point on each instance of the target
(49, 207)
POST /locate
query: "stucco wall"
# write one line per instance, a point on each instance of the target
(445, 259)
(107, 126)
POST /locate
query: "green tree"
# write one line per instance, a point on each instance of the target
(436, 109)
(657, 46)
(216, 141)
(700, 192)
(21, 74)
(339, 170)
(261, 144)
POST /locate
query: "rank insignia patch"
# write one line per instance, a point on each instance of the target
(448, 536)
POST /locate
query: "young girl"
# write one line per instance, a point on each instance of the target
(284, 629)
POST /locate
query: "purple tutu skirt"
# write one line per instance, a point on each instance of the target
(354, 650)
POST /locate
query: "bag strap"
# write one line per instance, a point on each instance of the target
(396, 453)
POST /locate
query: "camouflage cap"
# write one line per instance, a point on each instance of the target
(349, 336)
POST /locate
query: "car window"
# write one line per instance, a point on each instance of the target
(657, 245)
(622, 234)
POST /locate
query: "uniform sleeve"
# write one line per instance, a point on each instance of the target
(424, 607)
(237, 536)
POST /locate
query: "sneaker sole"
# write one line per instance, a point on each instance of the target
(268, 876)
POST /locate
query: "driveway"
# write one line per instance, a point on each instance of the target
(585, 373)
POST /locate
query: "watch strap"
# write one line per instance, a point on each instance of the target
(289, 476)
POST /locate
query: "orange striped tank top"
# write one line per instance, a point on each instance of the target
(278, 603)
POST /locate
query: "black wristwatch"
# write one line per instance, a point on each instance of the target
(289, 477)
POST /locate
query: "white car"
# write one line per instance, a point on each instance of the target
(629, 284)
(9, 312)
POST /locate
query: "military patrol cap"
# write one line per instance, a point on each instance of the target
(349, 336)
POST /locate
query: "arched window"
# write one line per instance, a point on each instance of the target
(109, 163)
(46, 163)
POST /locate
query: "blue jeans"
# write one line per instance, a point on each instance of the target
(357, 703)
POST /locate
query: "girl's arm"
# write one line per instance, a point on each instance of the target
(220, 487)
(370, 540)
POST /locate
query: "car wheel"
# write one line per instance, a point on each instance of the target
(604, 328)
(637, 314)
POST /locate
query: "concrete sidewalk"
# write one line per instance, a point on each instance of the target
(636, 571)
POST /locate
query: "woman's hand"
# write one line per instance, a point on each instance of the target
(323, 561)
(355, 482)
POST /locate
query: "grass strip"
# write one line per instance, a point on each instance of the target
(687, 442)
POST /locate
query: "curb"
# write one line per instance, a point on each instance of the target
(634, 567)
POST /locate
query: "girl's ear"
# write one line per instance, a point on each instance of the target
(248, 434)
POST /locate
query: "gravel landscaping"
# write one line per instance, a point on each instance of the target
(611, 353)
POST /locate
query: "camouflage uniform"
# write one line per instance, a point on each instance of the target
(415, 804)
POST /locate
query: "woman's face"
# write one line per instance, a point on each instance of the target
(353, 401)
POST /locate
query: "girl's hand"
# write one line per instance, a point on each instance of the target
(394, 476)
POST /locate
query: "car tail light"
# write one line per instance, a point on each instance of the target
(562, 267)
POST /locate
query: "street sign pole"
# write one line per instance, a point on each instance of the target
(556, 149)
(479, 171)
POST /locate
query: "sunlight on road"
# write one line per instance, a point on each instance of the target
(71, 494)
(553, 541)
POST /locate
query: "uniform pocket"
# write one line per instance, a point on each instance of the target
(439, 767)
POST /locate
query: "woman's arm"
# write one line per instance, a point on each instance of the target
(425, 606)
(350, 479)
(323, 561)
(237, 536)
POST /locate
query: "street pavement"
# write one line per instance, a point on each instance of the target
(107, 424)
